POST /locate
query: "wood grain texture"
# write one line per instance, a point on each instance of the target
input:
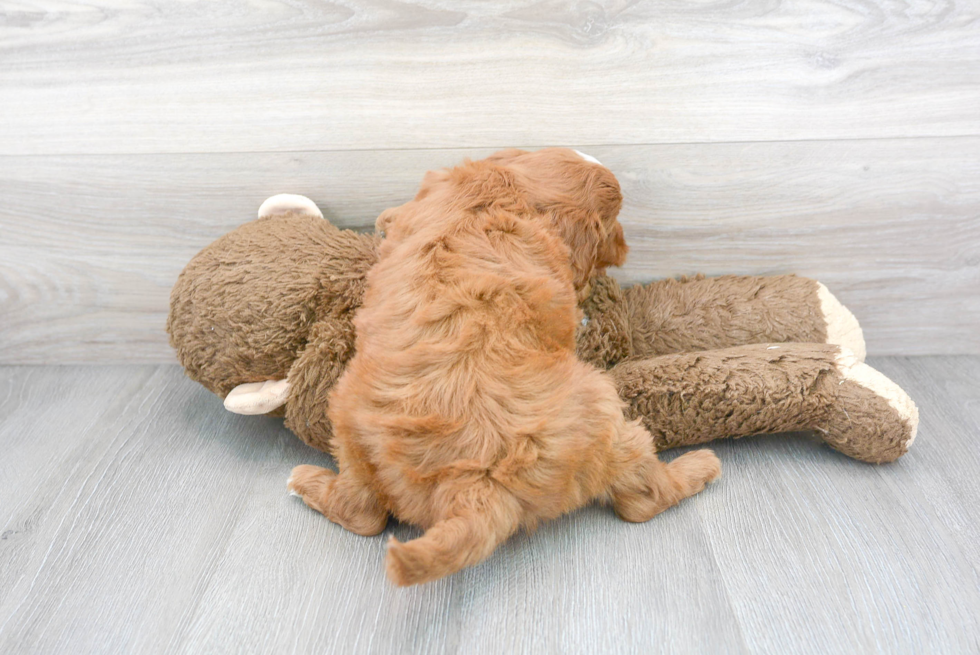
(91, 245)
(142, 76)
(137, 516)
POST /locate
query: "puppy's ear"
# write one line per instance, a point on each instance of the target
(594, 243)
(613, 250)
(586, 221)
(583, 233)
(604, 197)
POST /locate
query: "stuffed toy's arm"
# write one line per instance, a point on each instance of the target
(312, 377)
(305, 391)
(692, 398)
(699, 313)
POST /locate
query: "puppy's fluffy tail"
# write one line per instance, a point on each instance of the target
(476, 523)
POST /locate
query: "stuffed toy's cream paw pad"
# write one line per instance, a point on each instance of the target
(285, 203)
(855, 371)
(843, 328)
(257, 397)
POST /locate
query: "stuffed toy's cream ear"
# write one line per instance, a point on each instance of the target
(257, 397)
(286, 203)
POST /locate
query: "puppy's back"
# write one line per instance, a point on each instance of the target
(465, 337)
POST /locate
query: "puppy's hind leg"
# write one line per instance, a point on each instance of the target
(646, 486)
(477, 520)
(343, 498)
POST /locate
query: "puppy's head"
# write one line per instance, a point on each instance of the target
(576, 196)
(579, 197)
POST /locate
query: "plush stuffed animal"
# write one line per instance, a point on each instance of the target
(263, 318)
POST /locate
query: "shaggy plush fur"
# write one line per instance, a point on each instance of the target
(465, 410)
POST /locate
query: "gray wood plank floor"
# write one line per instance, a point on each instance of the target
(137, 516)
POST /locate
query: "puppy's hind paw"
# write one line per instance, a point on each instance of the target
(405, 566)
(696, 469)
(309, 483)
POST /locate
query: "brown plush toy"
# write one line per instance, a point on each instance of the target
(263, 318)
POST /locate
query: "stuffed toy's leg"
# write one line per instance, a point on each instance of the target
(699, 313)
(736, 392)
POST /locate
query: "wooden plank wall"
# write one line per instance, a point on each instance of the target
(838, 140)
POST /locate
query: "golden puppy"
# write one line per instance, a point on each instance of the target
(465, 410)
